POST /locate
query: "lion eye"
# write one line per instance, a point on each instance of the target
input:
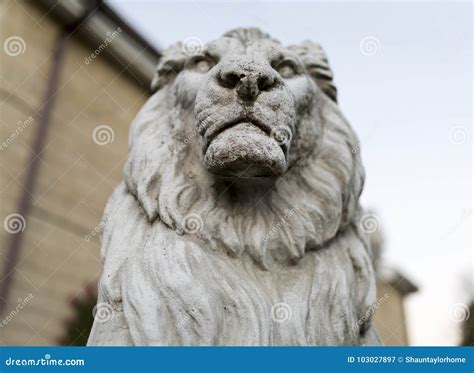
(202, 65)
(286, 70)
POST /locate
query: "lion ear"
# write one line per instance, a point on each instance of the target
(171, 63)
(316, 62)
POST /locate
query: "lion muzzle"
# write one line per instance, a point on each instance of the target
(245, 150)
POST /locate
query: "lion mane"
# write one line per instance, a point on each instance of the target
(188, 261)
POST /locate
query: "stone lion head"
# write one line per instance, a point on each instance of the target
(241, 183)
(252, 98)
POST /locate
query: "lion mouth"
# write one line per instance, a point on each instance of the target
(215, 130)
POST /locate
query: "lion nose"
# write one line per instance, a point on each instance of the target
(248, 84)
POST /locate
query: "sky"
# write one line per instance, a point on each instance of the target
(404, 76)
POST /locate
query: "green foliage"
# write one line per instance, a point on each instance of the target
(79, 326)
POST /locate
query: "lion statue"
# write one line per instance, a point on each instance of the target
(237, 222)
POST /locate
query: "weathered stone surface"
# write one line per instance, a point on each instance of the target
(237, 221)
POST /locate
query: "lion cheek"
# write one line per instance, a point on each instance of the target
(186, 89)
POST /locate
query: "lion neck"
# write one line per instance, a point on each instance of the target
(272, 220)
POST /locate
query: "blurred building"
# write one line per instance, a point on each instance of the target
(68, 68)
(392, 288)
(389, 317)
(73, 75)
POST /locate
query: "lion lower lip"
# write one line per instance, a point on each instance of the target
(212, 136)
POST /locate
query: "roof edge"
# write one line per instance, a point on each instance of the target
(94, 21)
(396, 279)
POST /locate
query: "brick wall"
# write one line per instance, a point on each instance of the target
(76, 175)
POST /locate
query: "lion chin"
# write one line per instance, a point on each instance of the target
(236, 223)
